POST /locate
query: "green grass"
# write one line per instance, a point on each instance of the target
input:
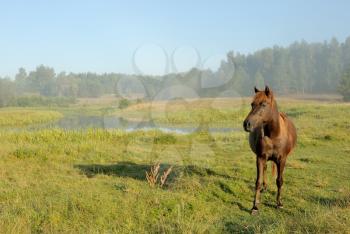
(191, 113)
(55, 181)
(22, 117)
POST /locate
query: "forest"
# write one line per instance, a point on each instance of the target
(300, 68)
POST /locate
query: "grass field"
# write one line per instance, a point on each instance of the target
(19, 117)
(57, 181)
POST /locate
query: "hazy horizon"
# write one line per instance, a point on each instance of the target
(100, 37)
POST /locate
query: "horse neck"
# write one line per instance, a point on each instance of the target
(274, 125)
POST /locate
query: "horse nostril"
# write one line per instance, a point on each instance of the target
(246, 124)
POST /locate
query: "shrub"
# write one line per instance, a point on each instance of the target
(165, 139)
(124, 103)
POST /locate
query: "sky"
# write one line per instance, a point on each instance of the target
(156, 37)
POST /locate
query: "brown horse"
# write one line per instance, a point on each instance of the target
(272, 137)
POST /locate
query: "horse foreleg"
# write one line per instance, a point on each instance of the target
(279, 181)
(260, 162)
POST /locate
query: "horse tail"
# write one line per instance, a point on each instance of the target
(273, 169)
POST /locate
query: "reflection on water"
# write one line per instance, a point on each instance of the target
(81, 122)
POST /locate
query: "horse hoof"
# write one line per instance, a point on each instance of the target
(280, 206)
(254, 212)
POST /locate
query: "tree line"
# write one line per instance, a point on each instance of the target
(300, 68)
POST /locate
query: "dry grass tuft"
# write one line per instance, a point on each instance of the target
(153, 175)
(165, 176)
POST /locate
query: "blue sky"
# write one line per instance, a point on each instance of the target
(102, 36)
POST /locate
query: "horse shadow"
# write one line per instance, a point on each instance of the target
(329, 202)
(138, 171)
(236, 227)
(121, 169)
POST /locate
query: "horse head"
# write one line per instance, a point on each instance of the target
(263, 110)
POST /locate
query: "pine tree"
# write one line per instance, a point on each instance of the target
(344, 87)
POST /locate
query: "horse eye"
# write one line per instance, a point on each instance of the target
(264, 104)
(252, 105)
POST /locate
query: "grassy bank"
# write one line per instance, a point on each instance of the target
(15, 117)
(94, 181)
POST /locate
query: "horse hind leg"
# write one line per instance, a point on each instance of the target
(279, 181)
(264, 187)
(267, 151)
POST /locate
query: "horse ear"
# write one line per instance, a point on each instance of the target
(267, 90)
(256, 90)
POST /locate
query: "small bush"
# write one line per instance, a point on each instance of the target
(327, 137)
(124, 103)
(165, 139)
